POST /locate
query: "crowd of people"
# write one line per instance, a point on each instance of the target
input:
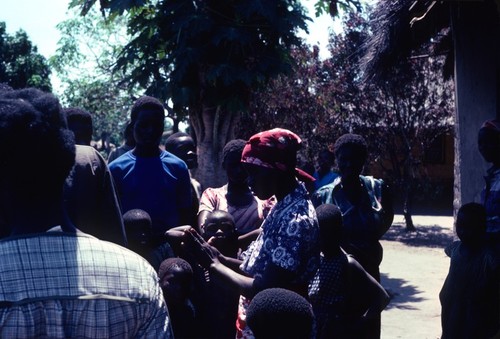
(133, 246)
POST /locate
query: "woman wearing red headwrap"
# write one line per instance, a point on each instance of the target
(286, 253)
(489, 147)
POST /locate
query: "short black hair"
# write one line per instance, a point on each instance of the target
(280, 313)
(136, 218)
(146, 103)
(234, 146)
(76, 115)
(168, 264)
(221, 214)
(471, 223)
(330, 223)
(33, 132)
(356, 141)
(171, 141)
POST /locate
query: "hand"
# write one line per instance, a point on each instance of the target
(205, 254)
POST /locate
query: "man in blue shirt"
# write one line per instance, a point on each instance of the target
(149, 178)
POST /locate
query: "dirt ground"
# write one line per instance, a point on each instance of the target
(413, 271)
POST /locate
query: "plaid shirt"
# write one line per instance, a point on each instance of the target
(60, 285)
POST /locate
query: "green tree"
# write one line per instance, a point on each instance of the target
(84, 62)
(323, 99)
(20, 63)
(294, 101)
(207, 57)
(401, 117)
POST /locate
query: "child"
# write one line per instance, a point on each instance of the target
(219, 230)
(220, 305)
(176, 279)
(138, 229)
(280, 313)
(217, 305)
(470, 294)
(489, 147)
(183, 146)
(343, 295)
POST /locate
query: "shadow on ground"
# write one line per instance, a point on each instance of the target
(403, 295)
(426, 236)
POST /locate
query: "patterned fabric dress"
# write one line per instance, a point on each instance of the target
(362, 222)
(490, 198)
(327, 289)
(289, 239)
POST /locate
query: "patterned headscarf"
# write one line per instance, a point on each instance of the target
(493, 125)
(277, 149)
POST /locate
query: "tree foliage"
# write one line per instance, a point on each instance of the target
(400, 117)
(333, 7)
(206, 57)
(294, 101)
(20, 63)
(323, 99)
(84, 61)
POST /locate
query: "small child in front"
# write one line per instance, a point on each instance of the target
(343, 295)
(470, 294)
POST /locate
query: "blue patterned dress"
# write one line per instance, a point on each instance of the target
(289, 239)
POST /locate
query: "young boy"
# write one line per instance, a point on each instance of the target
(342, 293)
(182, 146)
(176, 281)
(138, 229)
(280, 313)
(219, 231)
(470, 294)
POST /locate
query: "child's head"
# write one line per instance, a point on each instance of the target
(176, 277)
(330, 227)
(182, 145)
(80, 122)
(489, 141)
(219, 230)
(471, 223)
(138, 226)
(280, 313)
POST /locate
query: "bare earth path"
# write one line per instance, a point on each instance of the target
(413, 271)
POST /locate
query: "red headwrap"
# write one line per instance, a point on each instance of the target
(276, 148)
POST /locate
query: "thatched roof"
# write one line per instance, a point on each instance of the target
(402, 27)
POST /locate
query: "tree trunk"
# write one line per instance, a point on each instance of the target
(213, 128)
(408, 182)
(407, 212)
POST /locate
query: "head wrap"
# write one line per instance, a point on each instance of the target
(277, 149)
(493, 125)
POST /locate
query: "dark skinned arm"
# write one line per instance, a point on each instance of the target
(220, 267)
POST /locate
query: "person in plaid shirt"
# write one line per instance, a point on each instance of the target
(55, 281)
